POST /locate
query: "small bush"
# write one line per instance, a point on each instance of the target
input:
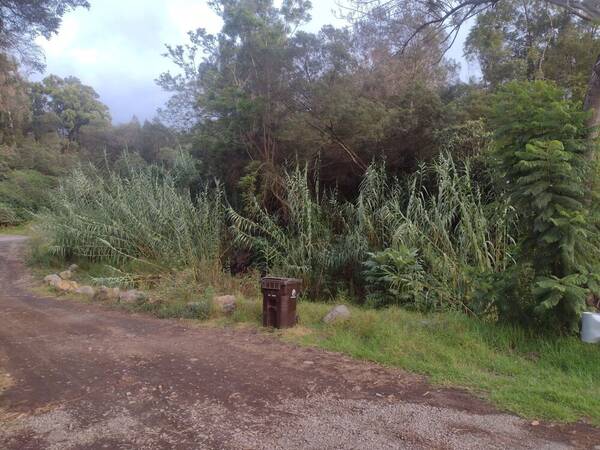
(396, 276)
(22, 193)
(8, 215)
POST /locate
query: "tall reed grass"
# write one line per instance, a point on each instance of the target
(439, 216)
(141, 217)
(454, 232)
(311, 238)
(437, 223)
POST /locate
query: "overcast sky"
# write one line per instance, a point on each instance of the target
(116, 47)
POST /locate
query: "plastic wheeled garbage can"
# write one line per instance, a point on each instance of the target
(590, 327)
(279, 301)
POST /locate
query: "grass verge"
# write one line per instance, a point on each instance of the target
(19, 230)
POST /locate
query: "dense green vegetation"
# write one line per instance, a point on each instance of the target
(451, 215)
(445, 237)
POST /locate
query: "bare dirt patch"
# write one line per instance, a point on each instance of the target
(82, 376)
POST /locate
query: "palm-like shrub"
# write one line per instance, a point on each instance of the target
(396, 276)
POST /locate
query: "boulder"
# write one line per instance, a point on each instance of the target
(225, 303)
(88, 291)
(340, 312)
(73, 267)
(52, 279)
(132, 296)
(66, 275)
(105, 294)
(66, 286)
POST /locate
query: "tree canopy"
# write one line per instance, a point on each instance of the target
(531, 40)
(68, 102)
(21, 21)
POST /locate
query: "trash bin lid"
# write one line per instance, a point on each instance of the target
(278, 282)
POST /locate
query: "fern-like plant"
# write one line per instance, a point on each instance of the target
(396, 276)
(540, 142)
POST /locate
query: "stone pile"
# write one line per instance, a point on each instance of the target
(62, 282)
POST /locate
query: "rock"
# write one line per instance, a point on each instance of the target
(132, 296)
(66, 286)
(340, 312)
(52, 279)
(104, 294)
(225, 303)
(73, 267)
(88, 291)
(66, 275)
(535, 423)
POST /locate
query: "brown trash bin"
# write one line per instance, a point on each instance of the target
(279, 301)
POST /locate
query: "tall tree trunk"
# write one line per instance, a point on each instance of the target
(592, 103)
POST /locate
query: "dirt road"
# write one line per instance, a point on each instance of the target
(81, 376)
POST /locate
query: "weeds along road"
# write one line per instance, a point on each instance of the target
(76, 375)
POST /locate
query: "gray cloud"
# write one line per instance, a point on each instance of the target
(116, 47)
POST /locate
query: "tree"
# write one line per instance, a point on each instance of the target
(355, 99)
(69, 103)
(235, 97)
(21, 21)
(446, 19)
(532, 40)
(265, 95)
(14, 103)
(155, 138)
(539, 147)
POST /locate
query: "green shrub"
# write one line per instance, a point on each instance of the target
(22, 193)
(8, 215)
(396, 276)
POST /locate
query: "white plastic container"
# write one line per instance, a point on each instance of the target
(590, 327)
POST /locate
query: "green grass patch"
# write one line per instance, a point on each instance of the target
(17, 230)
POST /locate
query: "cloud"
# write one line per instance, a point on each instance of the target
(117, 48)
